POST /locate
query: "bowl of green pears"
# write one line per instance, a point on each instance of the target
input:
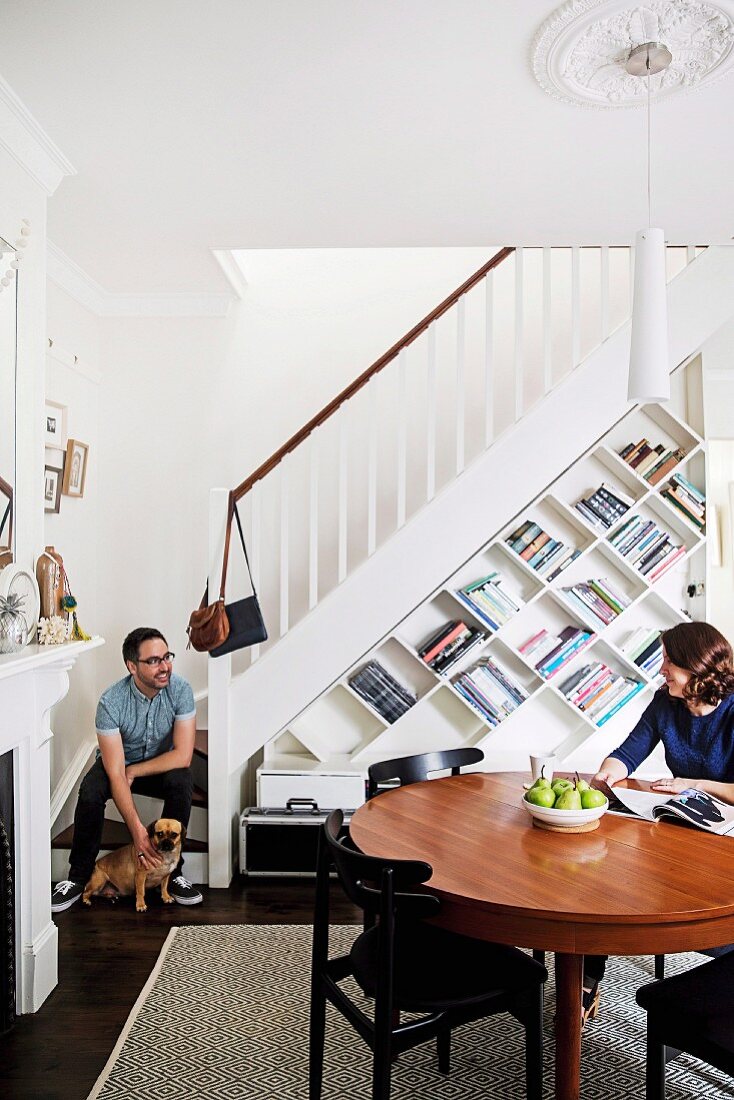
(563, 802)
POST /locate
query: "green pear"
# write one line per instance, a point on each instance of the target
(591, 798)
(540, 796)
(558, 786)
(581, 784)
(569, 799)
(541, 781)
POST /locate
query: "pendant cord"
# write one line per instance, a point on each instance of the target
(649, 158)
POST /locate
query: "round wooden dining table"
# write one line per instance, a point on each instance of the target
(631, 887)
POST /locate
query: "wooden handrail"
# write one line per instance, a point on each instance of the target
(364, 378)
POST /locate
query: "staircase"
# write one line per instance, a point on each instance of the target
(115, 834)
(536, 419)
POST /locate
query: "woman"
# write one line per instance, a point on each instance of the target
(693, 716)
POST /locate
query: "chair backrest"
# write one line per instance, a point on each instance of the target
(414, 769)
(364, 877)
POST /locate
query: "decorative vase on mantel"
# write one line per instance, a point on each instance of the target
(13, 625)
(50, 576)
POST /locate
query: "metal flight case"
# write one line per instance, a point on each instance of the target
(282, 841)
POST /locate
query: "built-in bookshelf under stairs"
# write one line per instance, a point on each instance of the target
(115, 834)
(299, 697)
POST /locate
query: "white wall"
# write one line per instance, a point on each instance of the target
(73, 531)
(187, 404)
(718, 361)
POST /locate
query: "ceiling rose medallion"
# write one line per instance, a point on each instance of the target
(579, 52)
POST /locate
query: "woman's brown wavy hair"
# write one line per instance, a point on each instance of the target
(704, 652)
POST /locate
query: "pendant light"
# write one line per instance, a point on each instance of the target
(649, 369)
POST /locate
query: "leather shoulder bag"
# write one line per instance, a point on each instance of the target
(221, 628)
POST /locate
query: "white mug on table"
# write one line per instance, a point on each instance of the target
(545, 763)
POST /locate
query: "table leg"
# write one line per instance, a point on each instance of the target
(569, 977)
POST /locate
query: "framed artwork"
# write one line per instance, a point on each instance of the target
(75, 468)
(52, 479)
(54, 430)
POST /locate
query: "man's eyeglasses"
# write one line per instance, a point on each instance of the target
(155, 662)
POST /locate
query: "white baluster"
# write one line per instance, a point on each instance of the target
(519, 325)
(431, 415)
(253, 549)
(604, 291)
(402, 435)
(489, 359)
(460, 381)
(284, 563)
(575, 306)
(372, 467)
(547, 321)
(343, 436)
(313, 522)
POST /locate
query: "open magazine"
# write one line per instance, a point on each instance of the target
(690, 807)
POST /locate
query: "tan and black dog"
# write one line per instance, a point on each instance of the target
(122, 868)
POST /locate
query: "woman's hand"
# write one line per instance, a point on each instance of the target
(673, 786)
(611, 771)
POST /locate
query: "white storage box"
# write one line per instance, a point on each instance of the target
(332, 785)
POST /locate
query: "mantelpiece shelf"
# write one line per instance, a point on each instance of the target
(35, 656)
(546, 720)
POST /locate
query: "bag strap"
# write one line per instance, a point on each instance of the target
(231, 510)
(225, 560)
(242, 540)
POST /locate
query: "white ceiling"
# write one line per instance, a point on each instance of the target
(299, 123)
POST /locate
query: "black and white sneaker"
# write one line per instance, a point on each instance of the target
(183, 892)
(65, 894)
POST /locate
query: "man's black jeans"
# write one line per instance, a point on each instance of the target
(175, 788)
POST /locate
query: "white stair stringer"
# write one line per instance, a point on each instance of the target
(438, 539)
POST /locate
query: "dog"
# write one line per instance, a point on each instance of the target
(121, 869)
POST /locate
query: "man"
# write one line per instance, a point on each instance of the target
(145, 728)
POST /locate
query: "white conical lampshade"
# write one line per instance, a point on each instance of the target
(649, 373)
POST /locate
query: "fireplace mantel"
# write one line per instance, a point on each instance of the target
(31, 682)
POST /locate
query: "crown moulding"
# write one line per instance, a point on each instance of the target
(67, 274)
(579, 52)
(29, 144)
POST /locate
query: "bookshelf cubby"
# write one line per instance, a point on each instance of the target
(342, 726)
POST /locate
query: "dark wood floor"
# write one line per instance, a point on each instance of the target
(106, 953)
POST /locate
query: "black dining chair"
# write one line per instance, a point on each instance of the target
(414, 769)
(404, 964)
(691, 1012)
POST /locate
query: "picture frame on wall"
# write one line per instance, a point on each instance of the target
(52, 481)
(75, 468)
(54, 432)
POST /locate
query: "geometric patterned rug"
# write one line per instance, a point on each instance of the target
(224, 1016)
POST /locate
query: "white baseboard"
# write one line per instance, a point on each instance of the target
(39, 963)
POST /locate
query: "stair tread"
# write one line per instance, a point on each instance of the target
(201, 743)
(115, 835)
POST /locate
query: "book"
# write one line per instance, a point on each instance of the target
(521, 541)
(614, 496)
(651, 460)
(450, 646)
(533, 547)
(634, 688)
(443, 663)
(436, 637)
(562, 565)
(657, 473)
(643, 452)
(690, 807)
